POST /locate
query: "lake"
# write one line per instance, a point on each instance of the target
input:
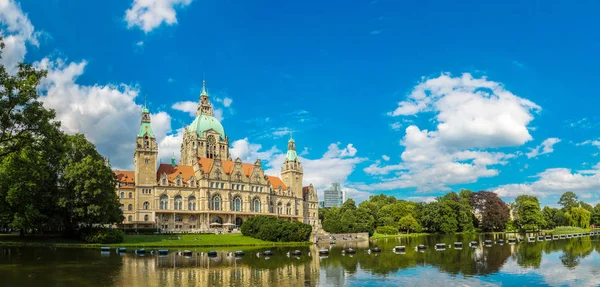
(563, 262)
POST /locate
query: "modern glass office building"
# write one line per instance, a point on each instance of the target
(333, 196)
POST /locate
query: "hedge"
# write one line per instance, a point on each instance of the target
(274, 229)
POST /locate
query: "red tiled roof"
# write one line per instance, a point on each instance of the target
(173, 171)
(125, 176)
(276, 182)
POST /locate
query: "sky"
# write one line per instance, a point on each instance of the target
(406, 98)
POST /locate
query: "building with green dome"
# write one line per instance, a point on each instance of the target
(208, 191)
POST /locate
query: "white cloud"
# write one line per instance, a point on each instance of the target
(472, 117)
(249, 152)
(187, 107)
(547, 146)
(106, 114)
(396, 126)
(421, 198)
(471, 112)
(554, 181)
(218, 114)
(150, 14)
(227, 102)
(17, 31)
(385, 157)
(280, 132)
(595, 143)
(140, 43)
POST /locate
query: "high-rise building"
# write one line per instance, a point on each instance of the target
(333, 196)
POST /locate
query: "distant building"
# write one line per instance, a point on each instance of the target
(321, 204)
(333, 196)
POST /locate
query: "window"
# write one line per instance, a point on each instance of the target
(146, 217)
(192, 219)
(147, 161)
(215, 202)
(243, 187)
(129, 218)
(218, 174)
(261, 189)
(288, 208)
(122, 207)
(146, 205)
(164, 202)
(256, 205)
(191, 203)
(165, 217)
(236, 204)
(130, 207)
(212, 184)
(131, 195)
(222, 185)
(122, 195)
(178, 203)
(279, 208)
(178, 218)
(146, 142)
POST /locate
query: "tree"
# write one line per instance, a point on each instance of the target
(88, 186)
(409, 223)
(549, 215)
(529, 214)
(494, 213)
(586, 206)
(23, 118)
(579, 217)
(568, 200)
(595, 217)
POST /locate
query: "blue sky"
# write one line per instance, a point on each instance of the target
(407, 98)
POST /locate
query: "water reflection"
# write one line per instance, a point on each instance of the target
(548, 262)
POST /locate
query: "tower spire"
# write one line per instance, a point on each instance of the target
(204, 107)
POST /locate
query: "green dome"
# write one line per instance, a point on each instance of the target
(204, 123)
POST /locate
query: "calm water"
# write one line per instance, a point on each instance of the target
(571, 262)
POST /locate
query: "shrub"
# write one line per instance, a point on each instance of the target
(102, 235)
(387, 230)
(274, 229)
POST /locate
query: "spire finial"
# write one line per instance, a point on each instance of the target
(173, 160)
(203, 93)
(145, 101)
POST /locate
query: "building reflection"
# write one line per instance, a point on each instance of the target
(223, 270)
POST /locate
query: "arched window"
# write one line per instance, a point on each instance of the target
(164, 202)
(256, 205)
(178, 218)
(146, 205)
(122, 207)
(146, 217)
(215, 202)
(130, 207)
(178, 203)
(122, 195)
(191, 203)
(279, 208)
(131, 195)
(236, 204)
(193, 218)
(129, 218)
(288, 208)
(164, 181)
(146, 142)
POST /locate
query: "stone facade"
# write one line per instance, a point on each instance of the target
(207, 190)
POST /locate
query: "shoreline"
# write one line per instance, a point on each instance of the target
(149, 241)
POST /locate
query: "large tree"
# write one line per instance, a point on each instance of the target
(88, 186)
(529, 215)
(568, 200)
(595, 216)
(23, 118)
(494, 213)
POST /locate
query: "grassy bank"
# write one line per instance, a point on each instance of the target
(147, 241)
(400, 235)
(569, 230)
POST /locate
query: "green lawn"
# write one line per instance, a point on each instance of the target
(182, 240)
(378, 235)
